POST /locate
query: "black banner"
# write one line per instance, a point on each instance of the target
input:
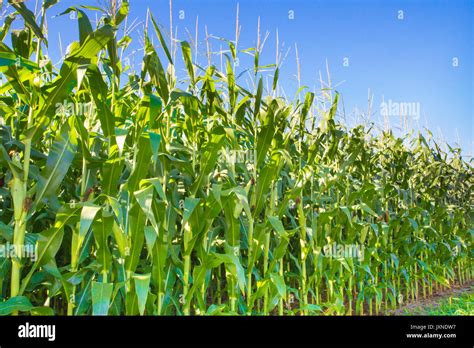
(192, 331)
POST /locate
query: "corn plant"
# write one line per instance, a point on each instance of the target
(142, 195)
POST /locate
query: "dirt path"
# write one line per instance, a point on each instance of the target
(435, 299)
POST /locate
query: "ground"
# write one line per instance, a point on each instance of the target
(456, 301)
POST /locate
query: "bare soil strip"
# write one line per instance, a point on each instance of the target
(435, 299)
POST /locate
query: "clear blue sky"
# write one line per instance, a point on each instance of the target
(408, 60)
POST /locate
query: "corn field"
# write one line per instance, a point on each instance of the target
(145, 195)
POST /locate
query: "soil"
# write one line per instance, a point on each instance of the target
(435, 299)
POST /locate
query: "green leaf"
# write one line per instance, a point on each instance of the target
(17, 303)
(88, 214)
(155, 140)
(275, 78)
(121, 239)
(312, 308)
(347, 212)
(367, 209)
(50, 240)
(99, 92)
(264, 138)
(160, 37)
(307, 104)
(189, 205)
(145, 199)
(85, 27)
(141, 164)
(186, 50)
(279, 283)
(122, 13)
(101, 295)
(42, 311)
(65, 82)
(28, 16)
(209, 157)
(258, 97)
(277, 226)
(394, 259)
(142, 284)
(236, 269)
(150, 238)
(102, 228)
(230, 83)
(57, 165)
(152, 65)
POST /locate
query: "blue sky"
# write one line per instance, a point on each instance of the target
(407, 60)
